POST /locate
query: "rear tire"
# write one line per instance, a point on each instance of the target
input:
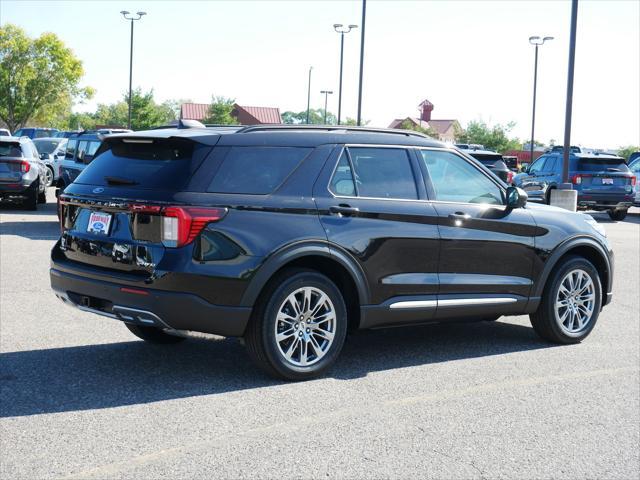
(49, 177)
(42, 197)
(298, 325)
(547, 198)
(153, 335)
(570, 303)
(617, 215)
(31, 202)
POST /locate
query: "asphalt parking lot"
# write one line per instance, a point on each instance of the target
(80, 397)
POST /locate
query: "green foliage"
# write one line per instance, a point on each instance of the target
(221, 111)
(316, 117)
(493, 138)
(409, 125)
(625, 152)
(39, 78)
(145, 113)
(353, 121)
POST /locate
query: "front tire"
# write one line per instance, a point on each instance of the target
(153, 335)
(570, 304)
(48, 177)
(617, 215)
(298, 326)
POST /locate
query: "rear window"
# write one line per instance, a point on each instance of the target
(46, 146)
(162, 164)
(10, 149)
(602, 164)
(256, 170)
(486, 159)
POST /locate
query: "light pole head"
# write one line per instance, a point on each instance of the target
(141, 13)
(340, 28)
(546, 38)
(124, 12)
(536, 40)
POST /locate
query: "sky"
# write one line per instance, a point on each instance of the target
(471, 59)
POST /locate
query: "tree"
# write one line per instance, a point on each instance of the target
(353, 122)
(316, 117)
(409, 125)
(38, 77)
(625, 152)
(492, 138)
(221, 111)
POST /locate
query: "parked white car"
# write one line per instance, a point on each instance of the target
(4, 132)
(52, 151)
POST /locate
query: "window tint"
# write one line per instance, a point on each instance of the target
(342, 183)
(551, 164)
(256, 170)
(71, 148)
(383, 173)
(10, 149)
(602, 164)
(538, 165)
(456, 180)
(163, 164)
(91, 151)
(82, 150)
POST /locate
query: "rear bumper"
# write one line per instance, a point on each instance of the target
(173, 310)
(605, 201)
(18, 191)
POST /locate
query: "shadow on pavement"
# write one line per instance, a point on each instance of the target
(128, 373)
(603, 217)
(16, 221)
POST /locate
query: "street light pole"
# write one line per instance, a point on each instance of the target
(338, 27)
(364, 15)
(569, 106)
(309, 95)
(131, 18)
(326, 93)
(537, 41)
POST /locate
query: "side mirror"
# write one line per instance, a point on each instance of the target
(43, 156)
(516, 197)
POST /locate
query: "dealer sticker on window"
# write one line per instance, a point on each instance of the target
(99, 223)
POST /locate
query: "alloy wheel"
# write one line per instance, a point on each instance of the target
(305, 326)
(575, 302)
(48, 177)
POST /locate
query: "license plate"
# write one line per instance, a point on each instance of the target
(607, 181)
(99, 223)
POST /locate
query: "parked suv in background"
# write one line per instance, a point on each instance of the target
(603, 181)
(22, 173)
(494, 162)
(80, 150)
(290, 236)
(634, 167)
(52, 151)
(32, 132)
(4, 132)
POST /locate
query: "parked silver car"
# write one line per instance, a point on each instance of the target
(52, 151)
(22, 173)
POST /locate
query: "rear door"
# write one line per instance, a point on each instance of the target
(372, 204)
(487, 250)
(533, 181)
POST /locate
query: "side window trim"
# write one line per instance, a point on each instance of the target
(409, 150)
(429, 185)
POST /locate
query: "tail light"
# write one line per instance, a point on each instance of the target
(25, 166)
(577, 178)
(181, 225)
(633, 181)
(509, 177)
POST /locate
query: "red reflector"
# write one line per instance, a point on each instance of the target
(25, 166)
(140, 208)
(135, 291)
(633, 181)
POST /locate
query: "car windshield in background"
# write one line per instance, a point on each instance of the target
(10, 149)
(486, 159)
(46, 146)
(599, 164)
(158, 164)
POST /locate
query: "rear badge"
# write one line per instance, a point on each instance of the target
(98, 190)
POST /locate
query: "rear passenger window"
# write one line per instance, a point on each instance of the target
(383, 173)
(71, 149)
(256, 170)
(342, 183)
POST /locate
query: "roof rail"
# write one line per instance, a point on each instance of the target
(331, 128)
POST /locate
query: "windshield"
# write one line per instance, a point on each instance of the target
(10, 149)
(46, 146)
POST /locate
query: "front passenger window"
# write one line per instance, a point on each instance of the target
(455, 180)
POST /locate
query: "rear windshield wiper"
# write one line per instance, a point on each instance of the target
(120, 181)
(611, 169)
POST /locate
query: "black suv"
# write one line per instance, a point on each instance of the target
(290, 237)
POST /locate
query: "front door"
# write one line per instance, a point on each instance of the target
(373, 206)
(487, 249)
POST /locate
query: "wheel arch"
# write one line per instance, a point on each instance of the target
(337, 265)
(585, 247)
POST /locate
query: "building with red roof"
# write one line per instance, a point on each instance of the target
(245, 115)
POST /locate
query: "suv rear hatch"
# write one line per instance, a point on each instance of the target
(121, 215)
(12, 165)
(603, 175)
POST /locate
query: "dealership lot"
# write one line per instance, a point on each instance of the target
(80, 397)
